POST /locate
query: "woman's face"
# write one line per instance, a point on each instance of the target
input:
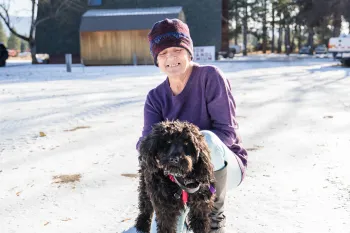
(174, 61)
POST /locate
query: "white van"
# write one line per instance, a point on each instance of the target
(340, 47)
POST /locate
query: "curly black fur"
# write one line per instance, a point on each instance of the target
(179, 148)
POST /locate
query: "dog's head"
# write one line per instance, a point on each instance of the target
(177, 148)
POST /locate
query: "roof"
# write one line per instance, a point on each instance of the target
(126, 19)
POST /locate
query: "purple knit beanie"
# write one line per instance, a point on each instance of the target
(169, 33)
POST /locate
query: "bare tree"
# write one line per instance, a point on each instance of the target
(280, 31)
(337, 6)
(312, 14)
(236, 16)
(300, 37)
(225, 21)
(264, 25)
(249, 13)
(347, 12)
(273, 27)
(245, 29)
(54, 10)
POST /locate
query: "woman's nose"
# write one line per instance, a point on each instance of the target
(171, 55)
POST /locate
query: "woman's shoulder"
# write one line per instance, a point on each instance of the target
(209, 72)
(158, 92)
(207, 68)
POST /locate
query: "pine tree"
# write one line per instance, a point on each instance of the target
(14, 42)
(3, 37)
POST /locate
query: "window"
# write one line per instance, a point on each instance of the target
(94, 2)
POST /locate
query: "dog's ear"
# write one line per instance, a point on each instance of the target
(148, 152)
(203, 167)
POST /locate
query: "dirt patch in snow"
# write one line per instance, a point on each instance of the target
(76, 128)
(63, 179)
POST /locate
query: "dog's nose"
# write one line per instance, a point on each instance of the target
(174, 160)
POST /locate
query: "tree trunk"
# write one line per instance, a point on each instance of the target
(265, 27)
(310, 39)
(279, 43)
(280, 32)
(245, 29)
(299, 37)
(287, 39)
(236, 22)
(273, 29)
(292, 44)
(32, 45)
(224, 26)
(336, 24)
(323, 34)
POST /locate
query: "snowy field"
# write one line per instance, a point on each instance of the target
(294, 119)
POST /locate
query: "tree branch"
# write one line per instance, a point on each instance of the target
(7, 14)
(32, 25)
(12, 30)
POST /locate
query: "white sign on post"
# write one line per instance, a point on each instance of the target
(204, 53)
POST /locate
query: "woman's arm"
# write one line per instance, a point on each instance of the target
(222, 111)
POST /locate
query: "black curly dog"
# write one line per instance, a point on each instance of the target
(177, 149)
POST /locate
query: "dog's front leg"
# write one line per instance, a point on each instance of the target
(166, 219)
(143, 221)
(199, 217)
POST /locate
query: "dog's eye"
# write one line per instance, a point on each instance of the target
(185, 143)
(169, 141)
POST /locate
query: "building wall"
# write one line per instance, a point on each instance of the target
(115, 48)
(61, 35)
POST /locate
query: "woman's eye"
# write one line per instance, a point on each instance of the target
(179, 50)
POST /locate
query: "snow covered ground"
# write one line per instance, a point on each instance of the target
(294, 119)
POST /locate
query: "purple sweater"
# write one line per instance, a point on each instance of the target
(206, 101)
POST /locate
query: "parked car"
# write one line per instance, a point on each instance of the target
(43, 58)
(3, 54)
(321, 49)
(237, 48)
(306, 50)
(230, 53)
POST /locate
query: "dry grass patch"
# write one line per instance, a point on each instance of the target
(127, 219)
(255, 148)
(130, 175)
(63, 179)
(76, 128)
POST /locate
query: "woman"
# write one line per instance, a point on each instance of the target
(202, 96)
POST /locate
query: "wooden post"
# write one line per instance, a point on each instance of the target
(69, 62)
(134, 58)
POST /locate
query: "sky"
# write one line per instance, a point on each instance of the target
(19, 7)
